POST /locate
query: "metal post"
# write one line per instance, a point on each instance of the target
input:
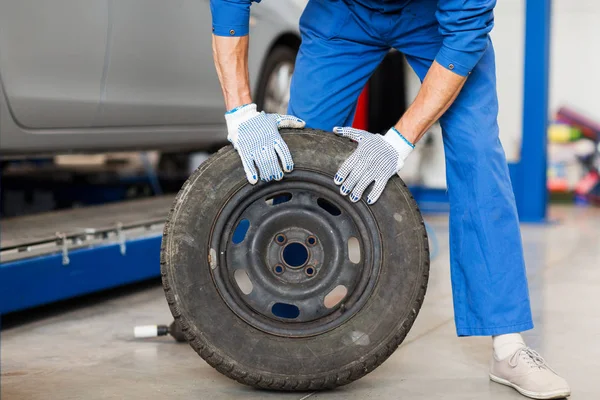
(532, 193)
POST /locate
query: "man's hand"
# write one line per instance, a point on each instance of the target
(256, 138)
(377, 158)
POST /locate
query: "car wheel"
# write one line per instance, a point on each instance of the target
(273, 92)
(288, 285)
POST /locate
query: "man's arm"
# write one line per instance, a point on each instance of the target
(438, 91)
(230, 26)
(465, 25)
(254, 135)
(231, 60)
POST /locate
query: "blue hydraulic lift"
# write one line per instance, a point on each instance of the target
(82, 261)
(529, 175)
(44, 279)
(63, 254)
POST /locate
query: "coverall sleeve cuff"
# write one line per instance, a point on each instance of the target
(230, 17)
(459, 62)
(231, 30)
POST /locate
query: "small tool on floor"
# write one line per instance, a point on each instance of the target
(147, 331)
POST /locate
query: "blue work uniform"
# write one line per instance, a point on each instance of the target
(343, 41)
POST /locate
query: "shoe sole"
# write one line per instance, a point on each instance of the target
(558, 394)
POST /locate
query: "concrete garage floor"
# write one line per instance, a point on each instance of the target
(88, 352)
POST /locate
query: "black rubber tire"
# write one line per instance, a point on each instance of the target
(279, 54)
(263, 360)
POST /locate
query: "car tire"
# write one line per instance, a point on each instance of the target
(250, 344)
(269, 97)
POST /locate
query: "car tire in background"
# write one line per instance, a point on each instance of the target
(387, 87)
(273, 90)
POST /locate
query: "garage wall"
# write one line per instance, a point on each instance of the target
(575, 55)
(507, 36)
(575, 80)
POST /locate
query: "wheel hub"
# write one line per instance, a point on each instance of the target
(295, 257)
(291, 258)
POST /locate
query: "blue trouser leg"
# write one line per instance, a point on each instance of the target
(339, 52)
(489, 283)
(341, 46)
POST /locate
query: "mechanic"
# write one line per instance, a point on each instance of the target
(447, 43)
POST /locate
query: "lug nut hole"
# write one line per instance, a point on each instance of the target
(279, 269)
(310, 270)
(311, 240)
(280, 239)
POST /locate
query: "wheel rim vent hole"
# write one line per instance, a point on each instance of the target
(278, 199)
(285, 310)
(354, 250)
(335, 297)
(240, 231)
(329, 207)
(243, 281)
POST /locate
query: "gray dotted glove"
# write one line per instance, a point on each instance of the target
(256, 138)
(376, 159)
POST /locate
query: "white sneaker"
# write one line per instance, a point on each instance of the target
(527, 372)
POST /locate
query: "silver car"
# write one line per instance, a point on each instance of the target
(105, 75)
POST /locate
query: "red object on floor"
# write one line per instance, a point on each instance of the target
(361, 116)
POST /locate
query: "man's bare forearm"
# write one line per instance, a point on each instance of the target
(231, 60)
(438, 91)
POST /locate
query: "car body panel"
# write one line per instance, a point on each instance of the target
(51, 57)
(161, 70)
(116, 75)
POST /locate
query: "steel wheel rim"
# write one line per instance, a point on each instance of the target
(277, 91)
(304, 286)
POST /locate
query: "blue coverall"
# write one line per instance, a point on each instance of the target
(343, 41)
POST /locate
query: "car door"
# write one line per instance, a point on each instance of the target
(51, 60)
(161, 70)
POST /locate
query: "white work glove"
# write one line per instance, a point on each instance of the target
(256, 138)
(377, 158)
